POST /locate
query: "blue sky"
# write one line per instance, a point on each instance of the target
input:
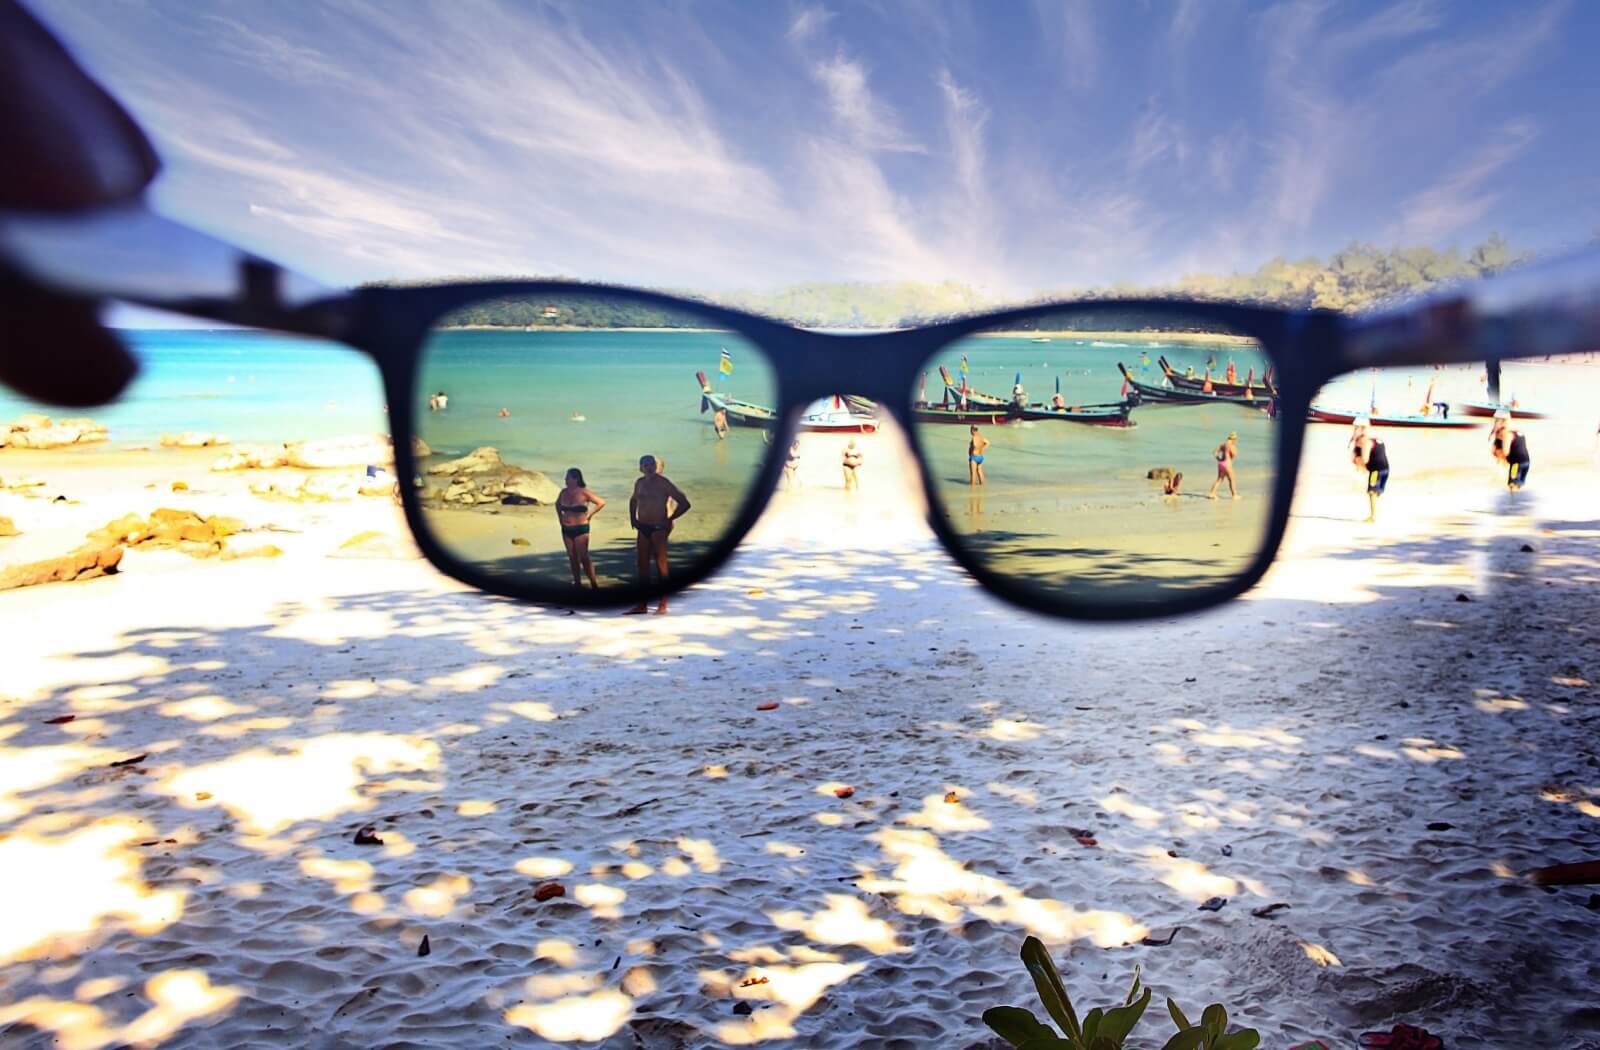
(1010, 145)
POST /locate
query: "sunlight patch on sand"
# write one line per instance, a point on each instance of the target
(945, 817)
(1121, 804)
(476, 807)
(204, 709)
(575, 1018)
(1011, 731)
(27, 769)
(792, 989)
(1190, 878)
(317, 779)
(562, 953)
(605, 901)
(438, 898)
(58, 893)
(703, 854)
(533, 711)
(844, 921)
(542, 867)
(1319, 955)
(180, 996)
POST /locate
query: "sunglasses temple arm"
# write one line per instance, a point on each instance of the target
(1536, 311)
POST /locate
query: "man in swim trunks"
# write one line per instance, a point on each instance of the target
(655, 504)
(1370, 455)
(852, 463)
(719, 423)
(975, 446)
(1225, 454)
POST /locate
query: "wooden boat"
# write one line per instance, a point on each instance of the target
(974, 398)
(1489, 408)
(983, 416)
(1171, 396)
(1182, 382)
(1115, 414)
(835, 415)
(740, 413)
(1328, 415)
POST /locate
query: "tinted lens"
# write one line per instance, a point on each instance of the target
(1121, 458)
(533, 410)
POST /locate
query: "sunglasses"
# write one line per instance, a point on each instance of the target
(549, 446)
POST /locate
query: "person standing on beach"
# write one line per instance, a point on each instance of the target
(1226, 453)
(975, 446)
(852, 463)
(576, 506)
(1510, 447)
(719, 423)
(791, 467)
(1370, 455)
(655, 504)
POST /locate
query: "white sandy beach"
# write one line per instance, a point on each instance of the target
(1353, 740)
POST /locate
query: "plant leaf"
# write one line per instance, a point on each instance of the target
(1190, 1038)
(1014, 1024)
(1119, 1022)
(1091, 1024)
(1052, 992)
(1243, 1039)
(1133, 989)
(1215, 1019)
(1047, 1040)
(1177, 1015)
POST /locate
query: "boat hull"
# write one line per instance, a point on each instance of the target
(1183, 382)
(1489, 408)
(1328, 415)
(1169, 396)
(740, 413)
(1118, 415)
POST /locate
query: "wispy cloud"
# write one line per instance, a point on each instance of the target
(808, 21)
(1467, 194)
(867, 121)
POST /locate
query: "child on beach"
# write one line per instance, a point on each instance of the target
(1173, 484)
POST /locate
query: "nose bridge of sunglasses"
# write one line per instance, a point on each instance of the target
(850, 479)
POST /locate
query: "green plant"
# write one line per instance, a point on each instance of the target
(1209, 1033)
(1100, 1029)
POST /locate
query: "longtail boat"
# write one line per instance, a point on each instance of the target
(1174, 396)
(923, 412)
(1489, 408)
(1439, 422)
(740, 413)
(1115, 414)
(836, 415)
(1184, 382)
(973, 396)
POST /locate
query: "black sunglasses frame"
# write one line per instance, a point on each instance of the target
(1553, 308)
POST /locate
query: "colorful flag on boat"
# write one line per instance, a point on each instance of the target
(726, 366)
(1124, 386)
(1144, 362)
(1058, 384)
(1372, 404)
(923, 397)
(964, 364)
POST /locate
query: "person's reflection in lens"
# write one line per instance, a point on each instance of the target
(656, 503)
(576, 506)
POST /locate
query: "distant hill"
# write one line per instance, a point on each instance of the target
(1359, 277)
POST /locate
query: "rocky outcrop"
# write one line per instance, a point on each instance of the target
(420, 449)
(303, 489)
(8, 527)
(182, 530)
(192, 439)
(82, 564)
(331, 453)
(39, 432)
(376, 545)
(250, 457)
(482, 477)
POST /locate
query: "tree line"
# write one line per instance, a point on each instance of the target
(1358, 277)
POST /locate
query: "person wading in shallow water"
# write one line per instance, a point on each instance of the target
(655, 504)
(1226, 453)
(719, 423)
(1370, 455)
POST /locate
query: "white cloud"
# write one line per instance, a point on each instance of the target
(809, 21)
(868, 122)
(1467, 194)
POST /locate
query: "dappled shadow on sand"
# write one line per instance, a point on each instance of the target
(181, 853)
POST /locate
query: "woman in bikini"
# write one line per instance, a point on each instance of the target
(1226, 453)
(575, 506)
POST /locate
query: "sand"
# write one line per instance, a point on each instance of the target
(1352, 740)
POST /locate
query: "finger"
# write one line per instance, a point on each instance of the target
(56, 350)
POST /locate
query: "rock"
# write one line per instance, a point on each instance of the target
(250, 457)
(83, 564)
(1440, 825)
(844, 792)
(420, 449)
(424, 948)
(192, 439)
(8, 527)
(302, 489)
(183, 530)
(31, 422)
(518, 541)
(58, 436)
(742, 1008)
(951, 798)
(264, 550)
(1463, 597)
(1269, 910)
(1160, 473)
(180, 486)
(1162, 937)
(1214, 904)
(549, 891)
(367, 835)
(770, 705)
(482, 477)
(332, 453)
(373, 544)
(1527, 548)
